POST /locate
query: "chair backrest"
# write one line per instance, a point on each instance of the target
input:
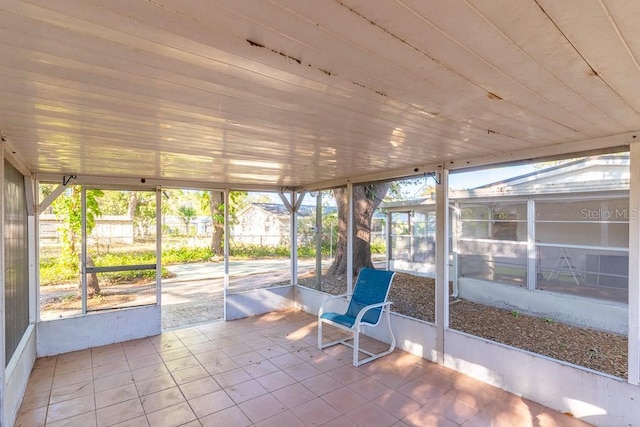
(372, 287)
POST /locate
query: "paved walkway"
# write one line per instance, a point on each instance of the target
(195, 295)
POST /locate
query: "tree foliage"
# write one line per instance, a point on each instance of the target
(68, 210)
(214, 201)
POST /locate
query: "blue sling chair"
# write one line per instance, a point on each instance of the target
(366, 308)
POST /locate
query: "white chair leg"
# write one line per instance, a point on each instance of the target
(393, 338)
(356, 344)
(319, 334)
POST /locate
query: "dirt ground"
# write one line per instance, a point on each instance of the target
(415, 297)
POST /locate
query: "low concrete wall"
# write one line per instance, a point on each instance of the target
(96, 329)
(258, 301)
(579, 311)
(590, 396)
(17, 375)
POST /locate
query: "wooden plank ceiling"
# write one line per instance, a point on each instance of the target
(291, 93)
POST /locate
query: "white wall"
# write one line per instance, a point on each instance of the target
(17, 375)
(96, 329)
(258, 301)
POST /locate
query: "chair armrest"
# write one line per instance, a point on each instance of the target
(330, 298)
(364, 310)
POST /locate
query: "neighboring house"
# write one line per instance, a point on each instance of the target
(269, 224)
(562, 230)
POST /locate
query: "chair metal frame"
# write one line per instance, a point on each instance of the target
(358, 321)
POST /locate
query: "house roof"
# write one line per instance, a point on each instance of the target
(594, 174)
(295, 94)
(588, 174)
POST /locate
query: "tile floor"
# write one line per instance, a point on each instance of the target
(261, 371)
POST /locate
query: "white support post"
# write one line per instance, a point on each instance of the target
(83, 254)
(159, 246)
(293, 214)
(226, 253)
(349, 237)
(32, 239)
(455, 235)
(3, 362)
(634, 265)
(442, 262)
(532, 254)
(388, 241)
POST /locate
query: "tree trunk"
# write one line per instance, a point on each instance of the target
(216, 206)
(366, 200)
(93, 287)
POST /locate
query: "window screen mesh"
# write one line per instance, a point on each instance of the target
(16, 259)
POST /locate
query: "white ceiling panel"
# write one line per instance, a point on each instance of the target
(289, 93)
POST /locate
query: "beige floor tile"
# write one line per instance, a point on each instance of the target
(70, 408)
(112, 381)
(284, 361)
(35, 400)
(72, 378)
(249, 358)
(369, 388)
(140, 421)
(344, 399)
(220, 365)
(283, 419)
(190, 374)
(199, 387)
(302, 371)
(149, 372)
(346, 374)
(262, 407)
(173, 416)
(275, 380)
(120, 412)
(315, 412)
(144, 361)
(155, 384)
(232, 416)
(260, 369)
(210, 356)
(182, 363)
(83, 420)
(72, 391)
(115, 395)
(341, 421)
(424, 418)
(73, 365)
(321, 384)
(371, 415)
(110, 369)
(272, 351)
(177, 353)
(162, 399)
(293, 395)
(32, 418)
(232, 377)
(397, 404)
(245, 391)
(210, 403)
